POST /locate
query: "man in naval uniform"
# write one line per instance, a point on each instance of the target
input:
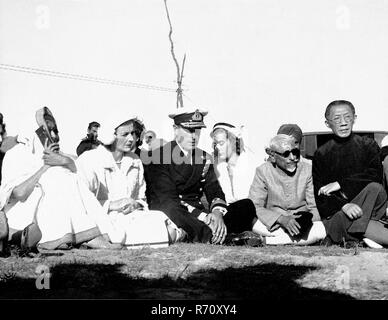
(179, 174)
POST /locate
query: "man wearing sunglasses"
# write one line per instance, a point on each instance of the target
(347, 175)
(282, 192)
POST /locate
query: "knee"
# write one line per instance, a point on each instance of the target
(375, 187)
(318, 229)
(245, 206)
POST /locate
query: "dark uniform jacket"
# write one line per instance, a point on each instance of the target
(354, 162)
(87, 144)
(175, 187)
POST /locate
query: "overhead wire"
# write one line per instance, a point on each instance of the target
(71, 76)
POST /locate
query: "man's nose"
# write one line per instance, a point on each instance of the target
(292, 156)
(343, 121)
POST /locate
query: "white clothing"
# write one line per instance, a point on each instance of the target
(60, 204)
(384, 142)
(236, 188)
(280, 237)
(109, 182)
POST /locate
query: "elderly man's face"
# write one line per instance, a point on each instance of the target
(187, 138)
(341, 120)
(287, 156)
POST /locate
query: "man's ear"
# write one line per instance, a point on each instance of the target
(270, 153)
(354, 118)
(327, 124)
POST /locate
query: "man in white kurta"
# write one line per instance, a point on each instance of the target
(61, 205)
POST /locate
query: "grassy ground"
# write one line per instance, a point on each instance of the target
(197, 271)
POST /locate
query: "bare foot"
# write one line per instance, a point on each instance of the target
(101, 242)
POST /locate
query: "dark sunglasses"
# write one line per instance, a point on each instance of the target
(286, 154)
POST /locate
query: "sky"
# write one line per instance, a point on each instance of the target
(257, 63)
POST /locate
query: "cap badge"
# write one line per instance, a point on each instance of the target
(197, 116)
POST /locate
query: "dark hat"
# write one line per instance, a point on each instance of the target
(291, 130)
(189, 118)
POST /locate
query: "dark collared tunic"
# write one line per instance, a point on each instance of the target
(353, 162)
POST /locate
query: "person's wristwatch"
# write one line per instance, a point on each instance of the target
(223, 210)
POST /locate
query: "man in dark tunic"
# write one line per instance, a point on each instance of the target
(347, 177)
(177, 177)
(90, 142)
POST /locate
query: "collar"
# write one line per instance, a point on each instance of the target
(108, 162)
(186, 153)
(343, 140)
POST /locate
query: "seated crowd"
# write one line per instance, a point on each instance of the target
(119, 193)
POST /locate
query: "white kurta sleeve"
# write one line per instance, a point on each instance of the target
(86, 172)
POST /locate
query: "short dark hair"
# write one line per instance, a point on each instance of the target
(93, 124)
(338, 103)
(138, 127)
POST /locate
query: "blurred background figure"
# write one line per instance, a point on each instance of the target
(151, 142)
(149, 136)
(90, 141)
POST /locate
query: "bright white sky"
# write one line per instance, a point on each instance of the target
(255, 62)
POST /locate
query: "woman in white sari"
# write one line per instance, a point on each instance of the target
(45, 202)
(115, 174)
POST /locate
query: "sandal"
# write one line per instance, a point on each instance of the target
(31, 236)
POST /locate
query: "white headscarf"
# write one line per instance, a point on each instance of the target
(237, 131)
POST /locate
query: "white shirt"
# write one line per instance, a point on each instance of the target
(236, 187)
